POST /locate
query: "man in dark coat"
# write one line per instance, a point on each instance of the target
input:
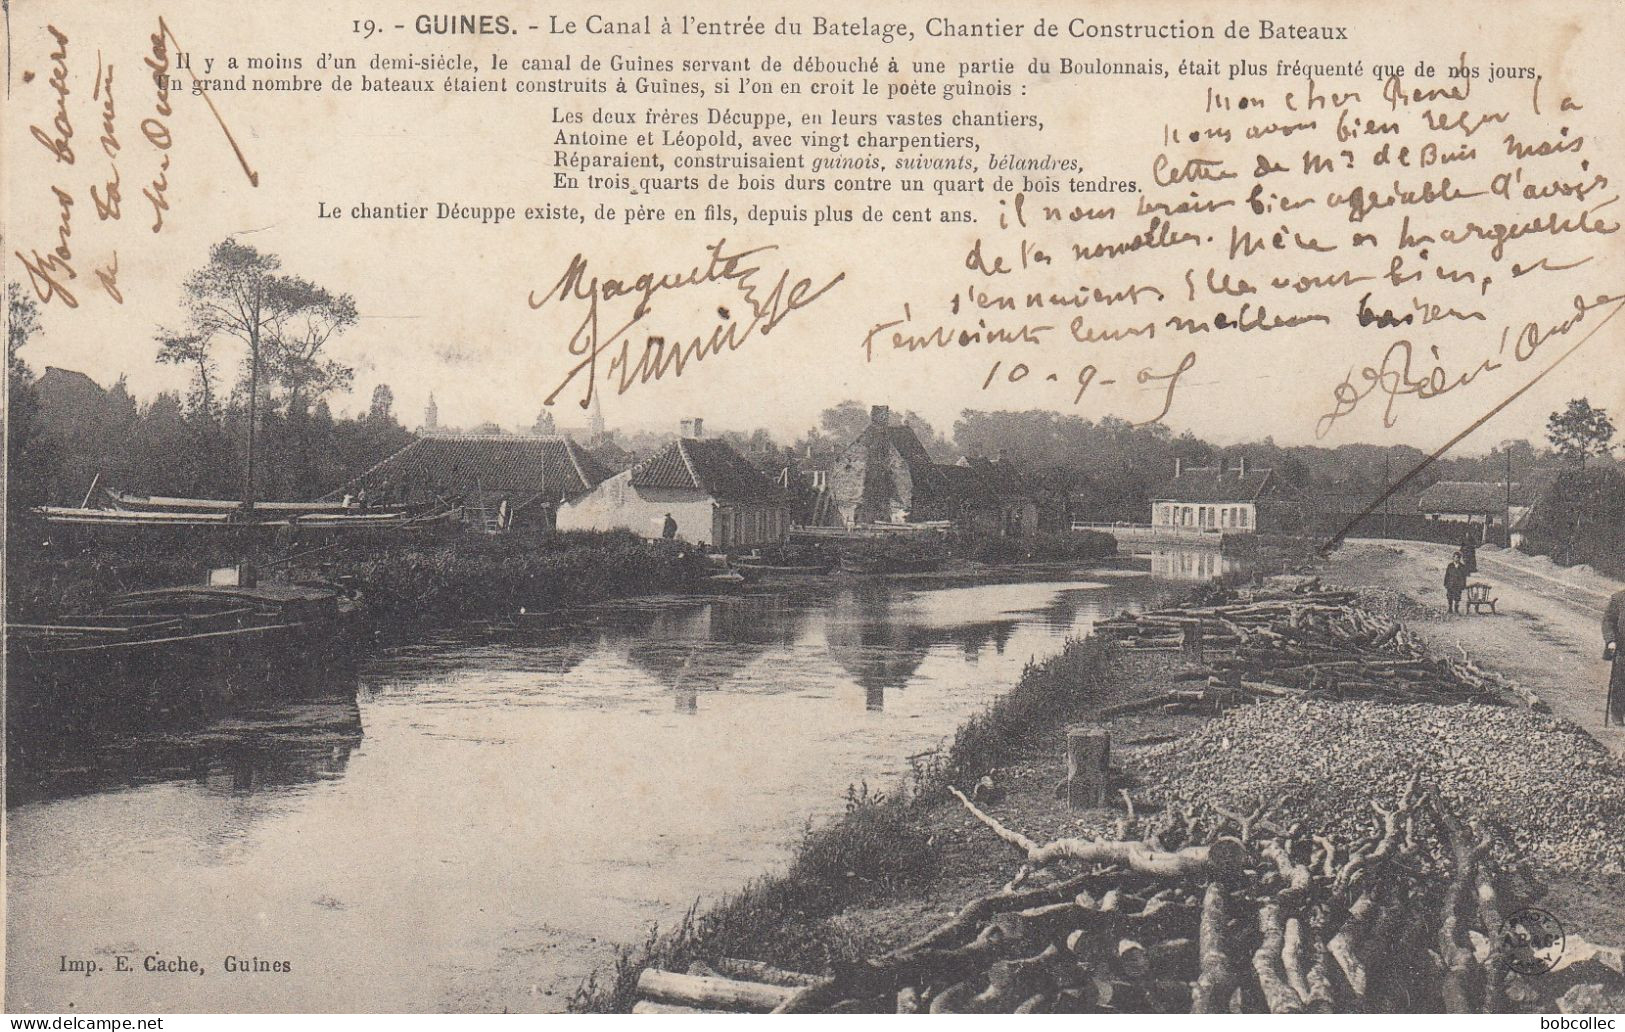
(1455, 582)
(1613, 630)
(669, 530)
(1469, 553)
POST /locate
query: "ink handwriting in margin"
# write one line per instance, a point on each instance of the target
(768, 307)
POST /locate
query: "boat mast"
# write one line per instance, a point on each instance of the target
(253, 392)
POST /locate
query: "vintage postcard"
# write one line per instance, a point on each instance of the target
(855, 508)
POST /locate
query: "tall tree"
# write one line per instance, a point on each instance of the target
(845, 421)
(284, 321)
(1580, 431)
(383, 404)
(191, 349)
(27, 460)
(294, 357)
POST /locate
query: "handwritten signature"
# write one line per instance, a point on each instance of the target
(767, 306)
(1401, 375)
(49, 273)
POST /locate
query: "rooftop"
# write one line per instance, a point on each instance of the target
(708, 465)
(1468, 496)
(1215, 485)
(523, 468)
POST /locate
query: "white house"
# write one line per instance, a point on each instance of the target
(1214, 498)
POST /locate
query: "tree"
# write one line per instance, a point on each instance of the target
(845, 421)
(285, 322)
(383, 404)
(28, 460)
(294, 358)
(193, 350)
(1580, 431)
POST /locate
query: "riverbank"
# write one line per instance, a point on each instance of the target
(412, 581)
(901, 863)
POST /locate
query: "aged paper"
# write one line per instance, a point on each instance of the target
(283, 241)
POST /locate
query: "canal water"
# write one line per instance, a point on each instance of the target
(471, 821)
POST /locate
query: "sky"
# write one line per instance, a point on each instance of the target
(446, 304)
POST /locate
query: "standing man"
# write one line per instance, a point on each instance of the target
(669, 530)
(1455, 580)
(1613, 629)
(1469, 553)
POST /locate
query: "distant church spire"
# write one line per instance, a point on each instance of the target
(595, 423)
(431, 414)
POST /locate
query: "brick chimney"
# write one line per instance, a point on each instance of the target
(879, 415)
(1178, 466)
(1241, 466)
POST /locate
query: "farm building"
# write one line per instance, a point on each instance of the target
(1236, 501)
(713, 494)
(1484, 507)
(886, 476)
(531, 474)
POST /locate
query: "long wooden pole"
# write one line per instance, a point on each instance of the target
(253, 393)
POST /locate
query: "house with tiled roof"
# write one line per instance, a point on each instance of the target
(713, 494)
(1232, 500)
(533, 475)
(886, 476)
(1483, 506)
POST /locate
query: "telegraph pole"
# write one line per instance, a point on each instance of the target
(1508, 516)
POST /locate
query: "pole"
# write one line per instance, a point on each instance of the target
(1385, 503)
(1508, 516)
(253, 397)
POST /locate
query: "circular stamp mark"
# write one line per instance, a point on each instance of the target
(1534, 939)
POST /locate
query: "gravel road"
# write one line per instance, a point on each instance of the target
(1546, 634)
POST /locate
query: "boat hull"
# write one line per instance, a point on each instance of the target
(174, 647)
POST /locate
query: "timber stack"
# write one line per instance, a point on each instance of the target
(1303, 641)
(1200, 910)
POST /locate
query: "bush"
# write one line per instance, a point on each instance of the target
(484, 575)
(1051, 694)
(1581, 519)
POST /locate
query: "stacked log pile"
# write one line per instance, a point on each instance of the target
(1311, 642)
(1208, 912)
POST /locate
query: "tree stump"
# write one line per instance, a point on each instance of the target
(1193, 640)
(1088, 760)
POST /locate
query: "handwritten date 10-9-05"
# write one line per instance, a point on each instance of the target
(1089, 376)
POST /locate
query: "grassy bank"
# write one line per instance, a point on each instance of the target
(401, 581)
(885, 846)
(481, 575)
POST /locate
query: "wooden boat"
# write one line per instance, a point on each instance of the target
(238, 518)
(763, 568)
(221, 639)
(158, 503)
(889, 564)
(727, 580)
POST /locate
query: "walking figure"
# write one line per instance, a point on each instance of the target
(669, 531)
(1613, 629)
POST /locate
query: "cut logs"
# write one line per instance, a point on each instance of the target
(1271, 928)
(1279, 643)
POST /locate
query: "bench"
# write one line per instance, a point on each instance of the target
(1478, 596)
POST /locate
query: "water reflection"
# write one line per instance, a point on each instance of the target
(304, 734)
(526, 792)
(1191, 564)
